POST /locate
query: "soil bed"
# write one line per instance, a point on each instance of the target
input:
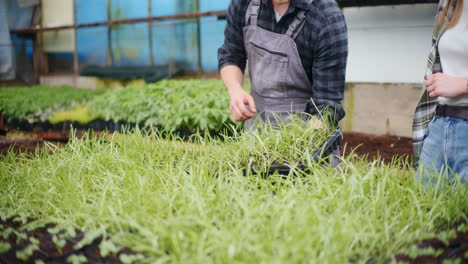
(456, 250)
(371, 146)
(28, 145)
(363, 145)
(49, 249)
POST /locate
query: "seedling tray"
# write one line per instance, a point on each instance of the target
(319, 156)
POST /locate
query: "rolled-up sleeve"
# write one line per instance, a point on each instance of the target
(232, 52)
(329, 67)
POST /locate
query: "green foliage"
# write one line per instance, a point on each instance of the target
(78, 113)
(414, 251)
(36, 103)
(128, 259)
(170, 104)
(108, 247)
(289, 144)
(59, 243)
(4, 247)
(189, 202)
(77, 259)
(27, 252)
(452, 261)
(463, 228)
(445, 236)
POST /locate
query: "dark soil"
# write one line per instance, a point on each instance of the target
(372, 147)
(28, 145)
(455, 250)
(362, 145)
(49, 251)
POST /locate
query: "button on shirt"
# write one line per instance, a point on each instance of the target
(322, 45)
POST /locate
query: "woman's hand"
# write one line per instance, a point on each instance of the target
(440, 84)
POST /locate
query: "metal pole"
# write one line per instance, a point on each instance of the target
(75, 50)
(221, 13)
(150, 33)
(110, 56)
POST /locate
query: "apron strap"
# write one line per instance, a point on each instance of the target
(296, 26)
(252, 13)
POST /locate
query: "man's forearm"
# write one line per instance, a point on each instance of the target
(233, 78)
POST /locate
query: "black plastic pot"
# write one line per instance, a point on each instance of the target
(100, 125)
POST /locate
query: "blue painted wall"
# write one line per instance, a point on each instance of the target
(19, 18)
(92, 42)
(172, 40)
(212, 33)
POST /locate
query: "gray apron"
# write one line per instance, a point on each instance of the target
(280, 86)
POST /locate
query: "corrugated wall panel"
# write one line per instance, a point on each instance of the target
(92, 46)
(130, 43)
(212, 33)
(174, 41)
(88, 11)
(92, 42)
(171, 40)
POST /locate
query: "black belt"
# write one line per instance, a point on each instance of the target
(452, 111)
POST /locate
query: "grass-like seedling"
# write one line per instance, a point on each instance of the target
(188, 202)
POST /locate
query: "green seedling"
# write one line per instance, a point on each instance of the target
(27, 252)
(129, 259)
(452, 261)
(4, 247)
(107, 247)
(54, 230)
(20, 237)
(59, 243)
(23, 219)
(34, 241)
(77, 259)
(414, 251)
(6, 233)
(89, 238)
(446, 236)
(463, 228)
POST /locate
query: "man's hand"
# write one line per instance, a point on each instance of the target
(440, 84)
(239, 100)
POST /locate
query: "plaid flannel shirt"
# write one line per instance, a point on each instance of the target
(322, 45)
(426, 108)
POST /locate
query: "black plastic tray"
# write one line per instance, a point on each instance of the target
(332, 143)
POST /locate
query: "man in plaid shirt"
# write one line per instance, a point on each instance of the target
(296, 51)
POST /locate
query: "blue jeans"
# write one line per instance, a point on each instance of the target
(445, 149)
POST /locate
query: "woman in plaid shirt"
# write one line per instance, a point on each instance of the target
(441, 120)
